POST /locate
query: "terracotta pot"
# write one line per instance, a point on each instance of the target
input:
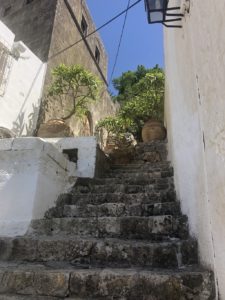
(153, 130)
(5, 133)
(54, 128)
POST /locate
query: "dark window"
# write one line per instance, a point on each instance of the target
(7, 11)
(84, 26)
(97, 54)
(29, 1)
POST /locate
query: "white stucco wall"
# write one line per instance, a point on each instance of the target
(195, 119)
(20, 101)
(33, 173)
(87, 153)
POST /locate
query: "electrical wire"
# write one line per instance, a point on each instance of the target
(96, 30)
(120, 42)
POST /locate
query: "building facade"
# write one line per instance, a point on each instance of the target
(195, 120)
(22, 76)
(51, 28)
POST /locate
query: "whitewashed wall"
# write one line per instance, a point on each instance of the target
(195, 119)
(22, 89)
(33, 173)
(87, 153)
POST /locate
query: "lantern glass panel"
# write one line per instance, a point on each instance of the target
(156, 16)
(156, 4)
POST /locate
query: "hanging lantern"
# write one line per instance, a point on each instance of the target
(158, 11)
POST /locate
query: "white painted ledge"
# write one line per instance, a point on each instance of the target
(87, 152)
(33, 173)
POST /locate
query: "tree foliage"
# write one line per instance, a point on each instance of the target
(126, 82)
(77, 84)
(141, 95)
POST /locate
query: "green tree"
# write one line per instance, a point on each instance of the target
(126, 82)
(76, 84)
(141, 95)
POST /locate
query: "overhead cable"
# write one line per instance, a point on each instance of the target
(120, 42)
(96, 30)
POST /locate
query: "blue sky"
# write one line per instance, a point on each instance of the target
(142, 43)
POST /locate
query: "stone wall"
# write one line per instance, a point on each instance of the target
(33, 174)
(32, 23)
(62, 52)
(91, 161)
(195, 114)
(51, 28)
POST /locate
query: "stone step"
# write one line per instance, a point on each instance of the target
(107, 284)
(97, 199)
(96, 252)
(140, 170)
(161, 166)
(114, 210)
(130, 180)
(123, 188)
(17, 297)
(159, 146)
(155, 227)
(139, 174)
(141, 164)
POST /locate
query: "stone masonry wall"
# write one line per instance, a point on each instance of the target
(49, 28)
(61, 52)
(31, 23)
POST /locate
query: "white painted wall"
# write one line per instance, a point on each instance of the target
(87, 153)
(33, 173)
(20, 101)
(195, 119)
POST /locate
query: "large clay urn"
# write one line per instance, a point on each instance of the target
(153, 130)
(54, 128)
(5, 133)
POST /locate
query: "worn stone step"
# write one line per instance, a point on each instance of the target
(155, 227)
(114, 210)
(139, 174)
(19, 297)
(100, 252)
(124, 188)
(144, 166)
(141, 168)
(154, 145)
(134, 174)
(102, 198)
(135, 164)
(130, 180)
(127, 284)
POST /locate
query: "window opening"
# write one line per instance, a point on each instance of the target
(97, 54)
(84, 26)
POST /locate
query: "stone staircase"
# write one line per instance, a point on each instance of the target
(118, 237)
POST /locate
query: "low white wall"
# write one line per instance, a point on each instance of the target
(87, 153)
(33, 173)
(195, 114)
(22, 87)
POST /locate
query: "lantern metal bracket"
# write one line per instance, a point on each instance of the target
(168, 14)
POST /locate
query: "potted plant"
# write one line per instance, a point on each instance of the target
(141, 96)
(72, 88)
